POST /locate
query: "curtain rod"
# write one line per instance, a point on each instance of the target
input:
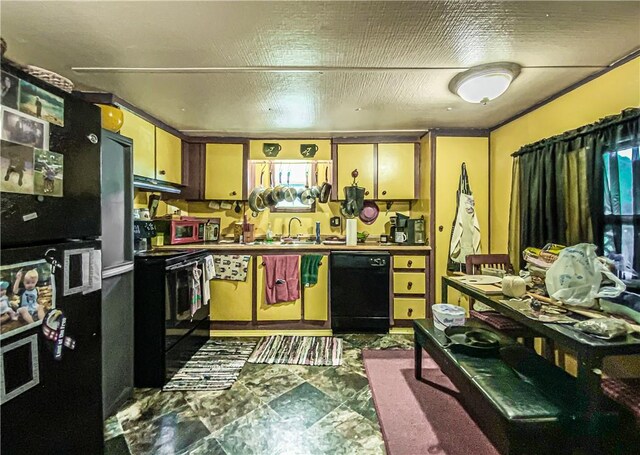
(627, 115)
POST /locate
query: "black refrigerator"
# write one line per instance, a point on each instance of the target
(50, 266)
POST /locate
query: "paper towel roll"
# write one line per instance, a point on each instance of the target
(352, 231)
(514, 286)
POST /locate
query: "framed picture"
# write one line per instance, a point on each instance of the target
(40, 103)
(48, 173)
(10, 86)
(26, 294)
(16, 168)
(23, 129)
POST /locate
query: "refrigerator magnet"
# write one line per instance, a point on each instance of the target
(18, 367)
(26, 294)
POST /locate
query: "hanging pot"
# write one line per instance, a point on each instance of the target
(325, 189)
(268, 197)
(278, 191)
(256, 202)
(306, 195)
(290, 193)
(315, 189)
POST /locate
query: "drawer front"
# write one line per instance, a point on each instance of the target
(409, 262)
(408, 283)
(404, 308)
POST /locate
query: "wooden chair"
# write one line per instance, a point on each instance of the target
(474, 265)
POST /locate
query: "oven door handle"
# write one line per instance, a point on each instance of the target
(180, 266)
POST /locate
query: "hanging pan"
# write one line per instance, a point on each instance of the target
(256, 203)
(290, 193)
(325, 189)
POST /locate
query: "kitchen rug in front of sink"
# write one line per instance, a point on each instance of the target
(298, 350)
(215, 366)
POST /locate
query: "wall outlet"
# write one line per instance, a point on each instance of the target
(335, 221)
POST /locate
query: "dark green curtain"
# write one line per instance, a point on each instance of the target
(547, 176)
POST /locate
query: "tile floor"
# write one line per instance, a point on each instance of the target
(271, 409)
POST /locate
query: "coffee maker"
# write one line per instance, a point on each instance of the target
(399, 233)
(143, 231)
(416, 231)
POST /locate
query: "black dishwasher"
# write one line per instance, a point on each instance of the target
(360, 292)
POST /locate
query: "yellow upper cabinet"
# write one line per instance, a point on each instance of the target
(144, 143)
(288, 149)
(355, 156)
(168, 157)
(224, 171)
(396, 171)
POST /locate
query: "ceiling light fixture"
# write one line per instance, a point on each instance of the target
(484, 83)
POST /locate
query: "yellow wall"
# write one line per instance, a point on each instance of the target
(451, 152)
(607, 95)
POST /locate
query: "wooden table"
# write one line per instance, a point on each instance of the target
(590, 351)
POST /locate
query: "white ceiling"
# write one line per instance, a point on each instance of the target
(393, 60)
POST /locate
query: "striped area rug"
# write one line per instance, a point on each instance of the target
(215, 366)
(298, 350)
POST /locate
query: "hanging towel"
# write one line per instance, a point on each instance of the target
(231, 267)
(196, 296)
(281, 278)
(309, 269)
(207, 276)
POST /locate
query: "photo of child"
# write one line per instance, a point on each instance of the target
(40, 103)
(16, 168)
(48, 176)
(26, 294)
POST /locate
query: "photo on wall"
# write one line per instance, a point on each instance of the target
(16, 168)
(41, 104)
(10, 87)
(23, 129)
(26, 294)
(48, 173)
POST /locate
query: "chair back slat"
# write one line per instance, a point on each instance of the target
(476, 262)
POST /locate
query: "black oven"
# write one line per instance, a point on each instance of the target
(171, 320)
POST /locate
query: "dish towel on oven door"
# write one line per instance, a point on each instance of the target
(281, 278)
(231, 267)
(209, 273)
(196, 290)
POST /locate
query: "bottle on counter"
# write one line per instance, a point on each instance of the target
(318, 232)
(269, 235)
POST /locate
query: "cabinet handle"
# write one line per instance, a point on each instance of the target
(440, 228)
(162, 172)
(366, 193)
(409, 311)
(233, 193)
(409, 285)
(409, 263)
(384, 193)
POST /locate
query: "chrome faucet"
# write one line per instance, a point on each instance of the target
(294, 218)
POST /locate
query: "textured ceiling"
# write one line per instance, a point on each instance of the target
(393, 60)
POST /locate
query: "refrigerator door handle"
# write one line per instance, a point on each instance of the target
(119, 269)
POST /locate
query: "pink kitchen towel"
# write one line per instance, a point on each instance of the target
(282, 282)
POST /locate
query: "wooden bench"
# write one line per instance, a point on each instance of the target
(523, 403)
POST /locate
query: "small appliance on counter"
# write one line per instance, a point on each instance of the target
(143, 232)
(416, 231)
(212, 230)
(186, 229)
(400, 231)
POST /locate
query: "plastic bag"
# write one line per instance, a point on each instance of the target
(575, 277)
(603, 328)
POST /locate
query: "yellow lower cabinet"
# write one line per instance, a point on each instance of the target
(409, 262)
(409, 283)
(316, 297)
(286, 311)
(408, 308)
(232, 300)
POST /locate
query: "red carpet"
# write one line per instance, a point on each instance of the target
(417, 417)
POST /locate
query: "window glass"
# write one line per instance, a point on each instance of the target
(294, 175)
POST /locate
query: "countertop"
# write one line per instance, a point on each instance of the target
(257, 247)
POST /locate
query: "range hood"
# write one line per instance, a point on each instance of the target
(153, 185)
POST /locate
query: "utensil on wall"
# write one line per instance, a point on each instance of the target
(325, 189)
(238, 207)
